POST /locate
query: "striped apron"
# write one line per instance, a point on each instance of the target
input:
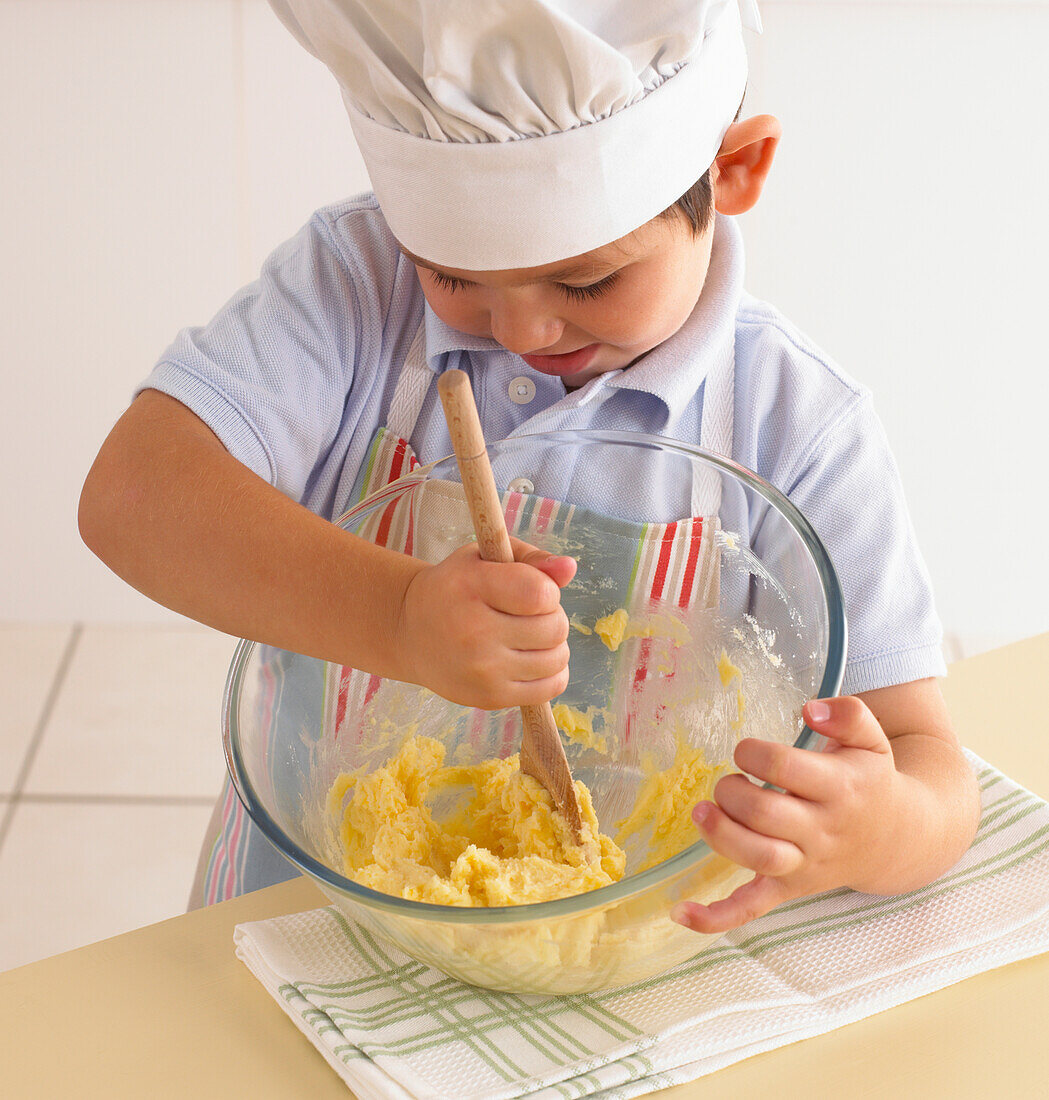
(670, 565)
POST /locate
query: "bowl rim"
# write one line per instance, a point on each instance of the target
(833, 673)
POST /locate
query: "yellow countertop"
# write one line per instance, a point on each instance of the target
(169, 1011)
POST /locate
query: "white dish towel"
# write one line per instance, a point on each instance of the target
(395, 1029)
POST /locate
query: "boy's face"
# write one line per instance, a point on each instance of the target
(584, 316)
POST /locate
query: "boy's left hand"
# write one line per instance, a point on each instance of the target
(843, 815)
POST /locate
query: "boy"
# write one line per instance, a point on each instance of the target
(538, 223)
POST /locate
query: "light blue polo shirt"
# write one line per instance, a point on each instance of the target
(297, 371)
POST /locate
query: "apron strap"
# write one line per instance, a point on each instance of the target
(412, 386)
(715, 432)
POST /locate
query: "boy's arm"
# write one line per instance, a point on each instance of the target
(174, 514)
(888, 806)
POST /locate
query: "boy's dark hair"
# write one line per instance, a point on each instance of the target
(697, 203)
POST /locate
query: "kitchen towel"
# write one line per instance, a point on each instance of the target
(394, 1028)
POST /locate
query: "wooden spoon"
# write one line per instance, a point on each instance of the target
(542, 753)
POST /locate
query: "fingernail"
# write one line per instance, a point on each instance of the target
(818, 711)
(679, 914)
(700, 812)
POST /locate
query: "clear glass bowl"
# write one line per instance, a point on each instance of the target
(769, 600)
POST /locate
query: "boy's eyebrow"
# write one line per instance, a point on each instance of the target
(592, 268)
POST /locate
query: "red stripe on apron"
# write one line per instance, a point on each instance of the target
(690, 566)
(543, 518)
(513, 510)
(384, 524)
(340, 706)
(369, 692)
(644, 650)
(396, 465)
(665, 549)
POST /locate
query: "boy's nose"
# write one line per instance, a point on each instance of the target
(523, 327)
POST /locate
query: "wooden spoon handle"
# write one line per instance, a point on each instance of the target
(542, 752)
(482, 496)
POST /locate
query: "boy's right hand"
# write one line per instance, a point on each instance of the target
(488, 634)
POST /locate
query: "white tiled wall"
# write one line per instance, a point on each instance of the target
(110, 763)
(163, 148)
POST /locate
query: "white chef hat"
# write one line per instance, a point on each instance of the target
(514, 133)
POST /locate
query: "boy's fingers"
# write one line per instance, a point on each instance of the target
(848, 721)
(769, 813)
(559, 568)
(805, 774)
(751, 900)
(519, 589)
(536, 631)
(537, 691)
(538, 664)
(765, 854)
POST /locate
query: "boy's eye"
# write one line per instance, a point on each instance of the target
(591, 290)
(579, 293)
(447, 282)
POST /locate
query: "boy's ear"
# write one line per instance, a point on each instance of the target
(743, 163)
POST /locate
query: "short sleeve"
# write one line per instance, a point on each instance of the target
(849, 489)
(269, 374)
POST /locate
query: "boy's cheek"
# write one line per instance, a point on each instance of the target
(461, 317)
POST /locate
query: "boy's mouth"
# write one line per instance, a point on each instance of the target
(569, 362)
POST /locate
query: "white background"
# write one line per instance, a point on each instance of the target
(154, 151)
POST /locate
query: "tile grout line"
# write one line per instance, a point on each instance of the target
(50, 798)
(38, 733)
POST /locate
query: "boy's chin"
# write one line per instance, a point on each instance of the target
(574, 381)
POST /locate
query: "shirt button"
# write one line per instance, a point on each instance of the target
(521, 484)
(521, 390)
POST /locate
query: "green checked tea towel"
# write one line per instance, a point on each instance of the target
(394, 1028)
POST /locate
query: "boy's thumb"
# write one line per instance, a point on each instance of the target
(559, 568)
(848, 721)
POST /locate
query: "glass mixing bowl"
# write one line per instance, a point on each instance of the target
(733, 621)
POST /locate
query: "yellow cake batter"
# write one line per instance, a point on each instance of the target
(665, 803)
(578, 726)
(505, 844)
(729, 672)
(613, 629)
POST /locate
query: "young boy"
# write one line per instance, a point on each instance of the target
(538, 223)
